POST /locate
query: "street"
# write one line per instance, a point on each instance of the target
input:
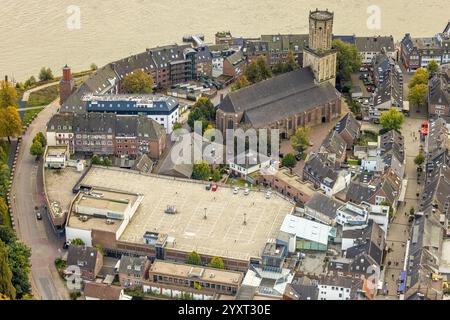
(27, 193)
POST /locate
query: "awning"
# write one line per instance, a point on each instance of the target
(403, 190)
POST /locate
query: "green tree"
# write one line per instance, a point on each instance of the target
(107, 162)
(288, 66)
(10, 123)
(392, 119)
(201, 171)
(30, 82)
(289, 161)
(419, 159)
(216, 175)
(41, 138)
(95, 160)
(36, 149)
(240, 83)
(93, 67)
(7, 235)
(177, 125)
(217, 263)
(194, 258)
(45, 74)
(258, 70)
(138, 82)
(3, 211)
(8, 95)
(6, 286)
(264, 68)
(204, 111)
(77, 242)
(348, 59)
(300, 139)
(433, 67)
(19, 261)
(420, 77)
(418, 94)
(4, 179)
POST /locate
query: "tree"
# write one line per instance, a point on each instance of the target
(4, 179)
(95, 160)
(201, 171)
(194, 258)
(138, 82)
(93, 67)
(258, 70)
(10, 122)
(216, 175)
(45, 74)
(77, 242)
(242, 82)
(41, 138)
(419, 159)
(3, 211)
(216, 262)
(418, 94)
(8, 95)
(19, 262)
(6, 286)
(433, 67)
(36, 149)
(392, 119)
(300, 139)
(177, 126)
(204, 111)
(420, 77)
(289, 161)
(348, 59)
(288, 66)
(107, 162)
(30, 82)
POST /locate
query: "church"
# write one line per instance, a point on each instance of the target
(305, 97)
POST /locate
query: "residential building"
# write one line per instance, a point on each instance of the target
(369, 47)
(83, 261)
(322, 208)
(99, 291)
(249, 162)
(439, 95)
(163, 109)
(279, 45)
(132, 271)
(334, 148)
(410, 55)
(301, 289)
(60, 131)
(351, 214)
(419, 52)
(234, 65)
(349, 129)
(285, 102)
(338, 288)
(179, 280)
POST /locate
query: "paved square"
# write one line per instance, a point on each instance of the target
(222, 233)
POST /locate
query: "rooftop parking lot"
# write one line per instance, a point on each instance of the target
(222, 233)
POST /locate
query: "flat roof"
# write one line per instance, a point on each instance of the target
(294, 181)
(56, 150)
(223, 233)
(200, 273)
(306, 229)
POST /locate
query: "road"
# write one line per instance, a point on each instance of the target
(399, 228)
(27, 192)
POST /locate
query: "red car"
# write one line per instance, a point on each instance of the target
(215, 187)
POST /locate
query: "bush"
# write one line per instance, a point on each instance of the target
(75, 295)
(45, 74)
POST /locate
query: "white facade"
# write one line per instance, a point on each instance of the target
(167, 121)
(342, 182)
(75, 233)
(330, 292)
(351, 214)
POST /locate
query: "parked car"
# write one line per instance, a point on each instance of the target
(66, 245)
(214, 187)
(38, 215)
(236, 190)
(246, 192)
(208, 187)
(268, 195)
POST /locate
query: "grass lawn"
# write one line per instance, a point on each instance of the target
(29, 115)
(43, 97)
(352, 162)
(237, 182)
(366, 137)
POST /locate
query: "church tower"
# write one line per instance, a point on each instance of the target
(319, 55)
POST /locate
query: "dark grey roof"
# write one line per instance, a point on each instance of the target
(334, 144)
(393, 142)
(370, 242)
(236, 58)
(94, 123)
(132, 265)
(324, 204)
(143, 164)
(358, 192)
(149, 128)
(438, 93)
(82, 256)
(279, 97)
(375, 44)
(318, 167)
(302, 291)
(350, 124)
(60, 122)
(126, 126)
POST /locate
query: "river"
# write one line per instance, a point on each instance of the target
(35, 33)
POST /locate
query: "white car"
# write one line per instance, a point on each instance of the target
(268, 195)
(236, 190)
(246, 191)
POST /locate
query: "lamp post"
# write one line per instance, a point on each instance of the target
(204, 217)
(245, 220)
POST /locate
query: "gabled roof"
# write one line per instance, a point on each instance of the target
(82, 256)
(324, 204)
(318, 167)
(334, 144)
(102, 291)
(350, 124)
(375, 44)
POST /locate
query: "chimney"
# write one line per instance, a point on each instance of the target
(67, 75)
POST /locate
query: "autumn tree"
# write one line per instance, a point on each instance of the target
(420, 77)
(138, 82)
(289, 65)
(217, 263)
(433, 67)
(419, 159)
(6, 287)
(36, 149)
(242, 82)
(392, 119)
(300, 139)
(418, 94)
(41, 138)
(258, 70)
(10, 123)
(8, 95)
(194, 258)
(201, 171)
